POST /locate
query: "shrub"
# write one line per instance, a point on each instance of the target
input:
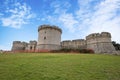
(68, 50)
(86, 51)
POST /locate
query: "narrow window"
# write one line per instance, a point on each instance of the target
(30, 47)
(44, 38)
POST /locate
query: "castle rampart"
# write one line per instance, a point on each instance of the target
(49, 38)
(78, 43)
(66, 44)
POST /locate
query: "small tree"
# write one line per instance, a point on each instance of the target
(116, 45)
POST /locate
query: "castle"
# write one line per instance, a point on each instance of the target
(49, 38)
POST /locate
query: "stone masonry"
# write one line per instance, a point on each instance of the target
(49, 38)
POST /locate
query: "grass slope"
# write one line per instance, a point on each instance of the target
(35, 66)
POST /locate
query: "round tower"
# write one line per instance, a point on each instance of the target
(100, 43)
(49, 37)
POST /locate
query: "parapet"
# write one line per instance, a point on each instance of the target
(93, 35)
(24, 43)
(19, 42)
(16, 42)
(49, 27)
(106, 34)
(98, 35)
(76, 40)
(33, 42)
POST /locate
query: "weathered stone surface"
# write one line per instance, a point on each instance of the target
(18, 46)
(31, 46)
(79, 43)
(49, 38)
(48, 47)
(100, 43)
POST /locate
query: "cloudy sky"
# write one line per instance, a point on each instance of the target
(19, 19)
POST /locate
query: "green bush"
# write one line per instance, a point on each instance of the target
(68, 50)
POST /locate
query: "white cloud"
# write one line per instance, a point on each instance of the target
(60, 7)
(68, 21)
(19, 15)
(106, 18)
(103, 16)
(61, 16)
(84, 3)
(92, 16)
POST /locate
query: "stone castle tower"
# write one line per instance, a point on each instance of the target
(100, 43)
(49, 38)
(19, 46)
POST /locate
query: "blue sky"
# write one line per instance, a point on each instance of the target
(19, 19)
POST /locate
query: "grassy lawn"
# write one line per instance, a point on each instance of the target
(35, 66)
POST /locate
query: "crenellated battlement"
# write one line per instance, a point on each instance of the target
(98, 35)
(49, 27)
(33, 42)
(106, 34)
(17, 42)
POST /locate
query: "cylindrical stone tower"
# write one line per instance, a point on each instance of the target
(100, 43)
(49, 37)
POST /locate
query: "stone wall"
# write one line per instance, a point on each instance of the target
(48, 47)
(78, 43)
(31, 46)
(19, 46)
(22, 46)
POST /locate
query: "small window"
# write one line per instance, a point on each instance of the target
(30, 47)
(45, 31)
(44, 38)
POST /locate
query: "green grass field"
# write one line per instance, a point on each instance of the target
(37, 66)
